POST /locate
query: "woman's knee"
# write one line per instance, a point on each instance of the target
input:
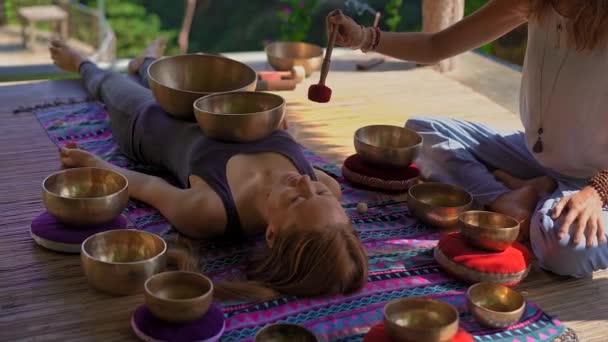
(559, 255)
(420, 123)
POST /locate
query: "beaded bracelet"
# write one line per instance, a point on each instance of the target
(600, 184)
(377, 40)
(371, 42)
(364, 33)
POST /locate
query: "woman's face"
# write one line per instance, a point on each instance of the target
(296, 199)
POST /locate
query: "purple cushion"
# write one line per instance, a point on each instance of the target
(45, 226)
(208, 328)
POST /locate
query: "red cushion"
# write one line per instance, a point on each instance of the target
(395, 179)
(474, 265)
(378, 334)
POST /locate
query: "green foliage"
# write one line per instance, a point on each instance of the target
(393, 14)
(295, 19)
(135, 27)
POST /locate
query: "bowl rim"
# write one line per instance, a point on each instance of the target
(114, 194)
(470, 202)
(359, 141)
(198, 111)
(472, 287)
(268, 53)
(84, 252)
(299, 326)
(432, 300)
(469, 212)
(169, 273)
(204, 55)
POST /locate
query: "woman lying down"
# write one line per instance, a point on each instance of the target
(227, 189)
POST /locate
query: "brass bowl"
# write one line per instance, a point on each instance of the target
(487, 230)
(284, 332)
(178, 296)
(495, 305)
(387, 146)
(418, 319)
(178, 81)
(85, 196)
(283, 56)
(437, 204)
(239, 116)
(120, 261)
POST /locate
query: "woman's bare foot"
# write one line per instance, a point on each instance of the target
(543, 185)
(73, 156)
(65, 57)
(519, 204)
(156, 49)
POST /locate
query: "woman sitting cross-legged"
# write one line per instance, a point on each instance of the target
(553, 176)
(228, 189)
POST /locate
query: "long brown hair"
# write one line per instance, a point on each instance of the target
(323, 261)
(588, 24)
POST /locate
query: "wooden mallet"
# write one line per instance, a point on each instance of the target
(320, 92)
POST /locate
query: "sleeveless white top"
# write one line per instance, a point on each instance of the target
(575, 117)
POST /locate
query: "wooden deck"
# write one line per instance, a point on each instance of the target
(44, 296)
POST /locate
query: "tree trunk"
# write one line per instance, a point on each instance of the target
(184, 33)
(438, 15)
(2, 13)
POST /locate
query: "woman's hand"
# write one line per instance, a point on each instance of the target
(584, 207)
(350, 34)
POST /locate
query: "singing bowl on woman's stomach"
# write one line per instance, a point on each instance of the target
(178, 81)
(241, 117)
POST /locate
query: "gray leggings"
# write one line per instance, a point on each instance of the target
(124, 95)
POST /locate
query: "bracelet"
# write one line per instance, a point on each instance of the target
(364, 33)
(377, 41)
(368, 46)
(600, 184)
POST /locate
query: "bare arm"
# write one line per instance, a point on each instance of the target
(191, 211)
(488, 23)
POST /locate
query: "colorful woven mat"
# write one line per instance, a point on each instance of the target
(399, 248)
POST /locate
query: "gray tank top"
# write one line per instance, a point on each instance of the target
(182, 149)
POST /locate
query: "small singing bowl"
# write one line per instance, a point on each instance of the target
(241, 117)
(120, 261)
(437, 204)
(283, 56)
(488, 230)
(178, 296)
(85, 196)
(387, 146)
(178, 81)
(495, 305)
(420, 319)
(284, 332)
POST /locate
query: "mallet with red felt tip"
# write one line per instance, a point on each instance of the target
(320, 92)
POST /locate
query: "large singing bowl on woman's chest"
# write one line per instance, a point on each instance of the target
(178, 81)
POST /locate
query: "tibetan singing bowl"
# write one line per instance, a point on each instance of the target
(438, 205)
(387, 146)
(178, 296)
(418, 319)
(284, 332)
(85, 196)
(239, 116)
(495, 305)
(120, 261)
(283, 56)
(178, 81)
(487, 230)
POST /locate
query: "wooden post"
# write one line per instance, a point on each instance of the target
(438, 15)
(2, 13)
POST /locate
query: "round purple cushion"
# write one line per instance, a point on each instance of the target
(208, 328)
(46, 227)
